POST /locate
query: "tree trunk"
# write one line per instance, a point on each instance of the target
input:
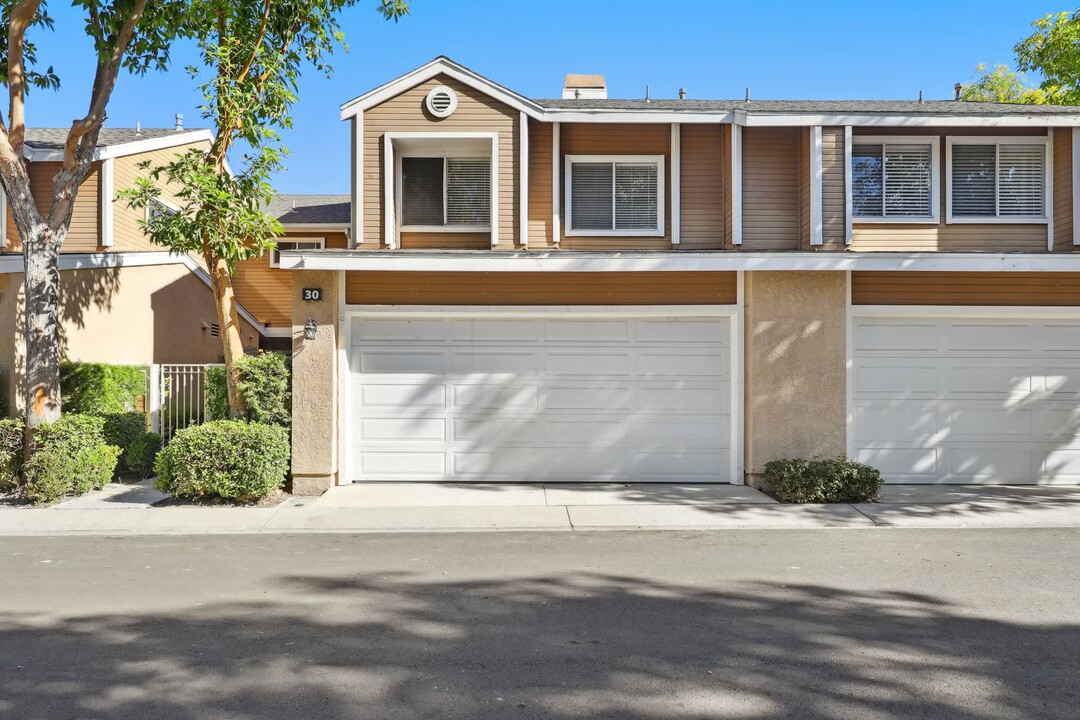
(41, 323)
(229, 323)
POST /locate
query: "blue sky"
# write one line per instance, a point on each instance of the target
(871, 49)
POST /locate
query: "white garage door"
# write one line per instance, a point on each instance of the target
(967, 399)
(540, 398)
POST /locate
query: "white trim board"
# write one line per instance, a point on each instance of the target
(967, 311)
(465, 261)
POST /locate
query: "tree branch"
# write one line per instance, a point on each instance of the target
(107, 73)
(21, 16)
(258, 44)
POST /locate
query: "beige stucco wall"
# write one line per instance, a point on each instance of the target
(124, 315)
(315, 395)
(795, 366)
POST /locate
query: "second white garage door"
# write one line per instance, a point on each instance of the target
(967, 399)
(542, 398)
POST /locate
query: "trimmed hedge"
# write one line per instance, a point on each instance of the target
(121, 430)
(11, 452)
(139, 455)
(99, 389)
(822, 480)
(70, 456)
(225, 458)
(265, 384)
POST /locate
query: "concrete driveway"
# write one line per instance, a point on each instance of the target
(814, 625)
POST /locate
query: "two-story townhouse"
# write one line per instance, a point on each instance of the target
(123, 299)
(589, 289)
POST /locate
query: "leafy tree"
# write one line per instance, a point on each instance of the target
(252, 55)
(1054, 50)
(1001, 85)
(131, 35)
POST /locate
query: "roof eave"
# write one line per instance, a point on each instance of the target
(105, 152)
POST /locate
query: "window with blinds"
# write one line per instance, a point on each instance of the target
(892, 180)
(446, 192)
(310, 244)
(615, 196)
(998, 180)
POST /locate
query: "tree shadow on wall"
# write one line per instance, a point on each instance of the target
(581, 646)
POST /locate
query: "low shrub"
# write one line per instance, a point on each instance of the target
(224, 458)
(100, 389)
(265, 385)
(11, 452)
(70, 456)
(121, 430)
(822, 480)
(140, 454)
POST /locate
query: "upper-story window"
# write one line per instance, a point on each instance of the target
(158, 208)
(894, 179)
(997, 179)
(305, 244)
(446, 193)
(619, 195)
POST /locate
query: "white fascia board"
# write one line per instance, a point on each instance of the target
(439, 66)
(123, 149)
(903, 120)
(315, 227)
(638, 116)
(107, 192)
(676, 262)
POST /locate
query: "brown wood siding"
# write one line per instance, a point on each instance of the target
(445, 241)
(127, 235)
(770, 206)
(703, 180)
(610, 139)
(964, 237)
(1063, 190)
(804, 188)
(476, 112)
(540, 207)
(266, 292)
(84, 235)
(1045, 289)
(833, 201)
(727, 195)
(558, 288)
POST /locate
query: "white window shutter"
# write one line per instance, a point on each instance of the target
(1021, 180)
(973, 182)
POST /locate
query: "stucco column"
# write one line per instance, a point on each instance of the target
(796, 366)
(315, 384)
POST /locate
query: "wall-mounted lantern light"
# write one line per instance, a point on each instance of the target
(310, 328)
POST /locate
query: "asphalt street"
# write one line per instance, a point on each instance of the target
(881, 623)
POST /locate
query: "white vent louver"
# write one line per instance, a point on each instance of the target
(441, 101)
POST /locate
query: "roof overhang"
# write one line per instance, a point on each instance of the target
(121, 149)
(440, 66)
(558, 261)
(768, 119)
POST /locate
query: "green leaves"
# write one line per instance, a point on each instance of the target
(1001, 85)
(1054, 50)
(45, 79)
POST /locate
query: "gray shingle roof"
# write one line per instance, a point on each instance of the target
(53, 138)
(930, 107)
(311, 209)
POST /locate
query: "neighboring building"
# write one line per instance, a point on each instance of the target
(124, 299)
(586, 289)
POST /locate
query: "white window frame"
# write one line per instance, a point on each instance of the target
(161, 201)
(1048, 179)
(443, 150)
(275, 254)
(639, 159)
(935, 177)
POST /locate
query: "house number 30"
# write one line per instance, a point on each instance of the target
(311, 294)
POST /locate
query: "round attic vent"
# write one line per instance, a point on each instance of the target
(441, 101)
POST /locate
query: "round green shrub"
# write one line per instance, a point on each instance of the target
(822, 480)
(69, 456)
(224, 458)
(140, 454)
(11, 452)
(122, 429)
(265, 385)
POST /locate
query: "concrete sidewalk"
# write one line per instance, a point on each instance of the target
(422, 507)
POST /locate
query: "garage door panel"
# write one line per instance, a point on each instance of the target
(1003, 409)
(894, 336)
(527, 399)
